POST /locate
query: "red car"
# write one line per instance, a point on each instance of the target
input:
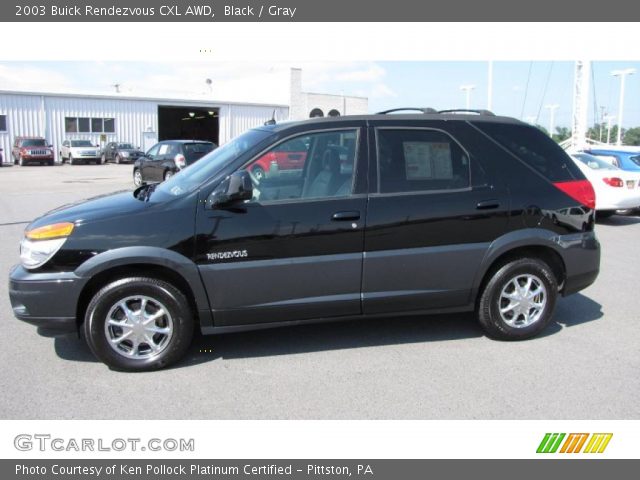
(287, 157)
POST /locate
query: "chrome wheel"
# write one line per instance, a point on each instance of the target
(522, 301)
(138, 327)
(137, 178)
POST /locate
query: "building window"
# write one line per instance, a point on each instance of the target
(3, 123)
(333, 113)
(89, 125)
(316, 112)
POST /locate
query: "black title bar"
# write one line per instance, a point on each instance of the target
(319, 11)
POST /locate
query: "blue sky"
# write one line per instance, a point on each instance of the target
(520, 89)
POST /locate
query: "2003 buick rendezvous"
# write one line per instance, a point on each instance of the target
(387, 215)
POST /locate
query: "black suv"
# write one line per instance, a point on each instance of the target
(118, 152)
(391, 214)
(167, 158)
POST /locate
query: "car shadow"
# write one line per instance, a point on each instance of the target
(620, 220)
(571, 311)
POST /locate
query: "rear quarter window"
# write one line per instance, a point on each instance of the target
(535, 149)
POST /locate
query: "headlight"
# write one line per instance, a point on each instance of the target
(40, 244)
(125, 154)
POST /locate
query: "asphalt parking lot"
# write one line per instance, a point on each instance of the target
(584, 366)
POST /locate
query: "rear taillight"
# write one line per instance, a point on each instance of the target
(613, 181)
(181, 162)
(580, 190)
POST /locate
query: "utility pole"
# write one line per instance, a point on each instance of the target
(609, 119)
(603, 115)
(468, 89)
(622, 74)
(552, 117)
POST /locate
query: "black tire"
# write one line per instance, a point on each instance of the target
(71, 160)
(50, 163)
(103, 159)
(171, 299)
(489, 315)
(21, 162)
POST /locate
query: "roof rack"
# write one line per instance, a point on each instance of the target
(467, 110)
(409, 109)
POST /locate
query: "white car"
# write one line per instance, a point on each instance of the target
(79, 151)
(615, 189)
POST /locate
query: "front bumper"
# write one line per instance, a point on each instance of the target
(46, 300)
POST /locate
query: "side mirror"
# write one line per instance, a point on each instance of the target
(236, 188)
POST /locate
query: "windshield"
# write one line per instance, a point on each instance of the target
(125, 146)
(81, 143)
(34, 143)
(194, 175)
(594, 163)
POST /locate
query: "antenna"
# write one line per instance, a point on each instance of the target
(117, 87)
(273, 119)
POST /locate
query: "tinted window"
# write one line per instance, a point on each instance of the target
(420, 160)
(34, 142)
(3, 123)
(194, 151)
(83, 125)
(127, 146)
(81, 143)
(71, 124)
(96, 125)
(534, 148)
(109, 125)
(635, 159)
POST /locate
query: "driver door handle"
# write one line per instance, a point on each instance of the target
(346, 216)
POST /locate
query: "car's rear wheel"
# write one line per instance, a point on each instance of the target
(518, 300)
(138, 324)
(137, 178)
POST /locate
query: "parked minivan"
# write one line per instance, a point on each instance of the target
(390, 215)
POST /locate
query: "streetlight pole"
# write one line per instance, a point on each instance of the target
(467, 89)
(552, 117)
(622, 74)
(609, 119)
(490, 86)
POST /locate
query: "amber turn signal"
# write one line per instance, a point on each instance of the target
(56, 230)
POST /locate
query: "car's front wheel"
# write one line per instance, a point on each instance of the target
(518, 300)
(139, 324)
(137, 178)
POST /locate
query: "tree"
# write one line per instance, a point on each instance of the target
(562, 134)
(631, 136)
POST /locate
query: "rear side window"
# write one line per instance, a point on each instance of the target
(535, 149)
(420, 160)
(193, 151)
(636, 160)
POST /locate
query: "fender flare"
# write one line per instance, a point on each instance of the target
(162, 257)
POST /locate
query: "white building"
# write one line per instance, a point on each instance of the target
(144, 121)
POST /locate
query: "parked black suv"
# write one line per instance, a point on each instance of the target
(167, 158)
(118, 152)
(389, 215)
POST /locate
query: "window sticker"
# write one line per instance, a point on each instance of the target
(427, 160)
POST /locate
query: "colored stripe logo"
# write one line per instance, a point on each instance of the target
(574, 443)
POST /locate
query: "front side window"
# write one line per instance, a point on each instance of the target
(314, 165)
(420, 160)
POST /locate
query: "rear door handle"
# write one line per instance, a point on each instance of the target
(488, 204)
(345, 216)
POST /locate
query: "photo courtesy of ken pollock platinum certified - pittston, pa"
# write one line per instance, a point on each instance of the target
(190, 469)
